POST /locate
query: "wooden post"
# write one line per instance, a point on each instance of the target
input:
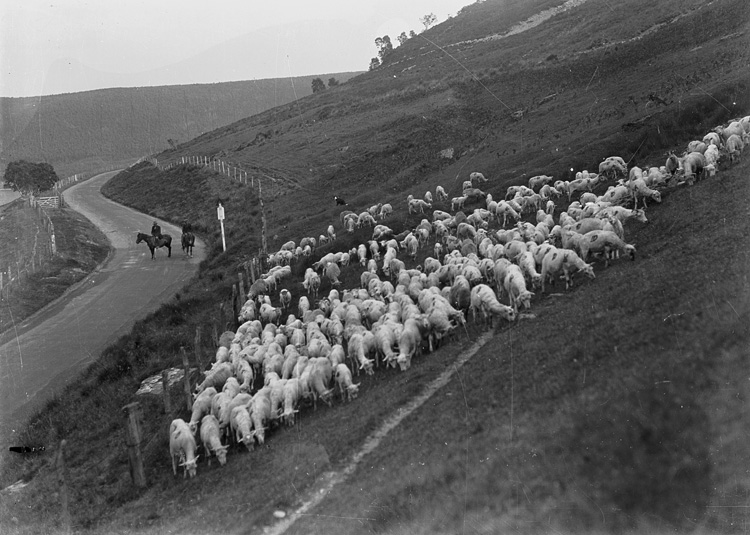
(233, 308)
(243, 295)
(197, 348)
(216, 334)
(134, 415)
(62, 478)
(186, 365)
(165, 391)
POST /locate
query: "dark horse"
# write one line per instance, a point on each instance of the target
(154, 243)
(188, 241)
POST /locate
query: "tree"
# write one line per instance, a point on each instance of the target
(28, 177)
(412, 34)
(428, 20)
(385, 47)
(332, 82)
(402, 38)
(374, 63)
(318, 85)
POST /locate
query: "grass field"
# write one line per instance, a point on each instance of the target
(617, 406)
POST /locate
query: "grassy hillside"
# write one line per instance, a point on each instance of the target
(108, 125)
(617, 406)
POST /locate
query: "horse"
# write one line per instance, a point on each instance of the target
(188, 241)
(154, 243)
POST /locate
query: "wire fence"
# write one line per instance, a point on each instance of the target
(33, 252)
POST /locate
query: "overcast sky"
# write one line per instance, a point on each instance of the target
(62, 46)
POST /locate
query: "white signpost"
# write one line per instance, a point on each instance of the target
(220, 214)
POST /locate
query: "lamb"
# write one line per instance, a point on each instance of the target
(428, 197)
(182, 445)
(712, 154)
(201, 407)
(712, 138)
(343, 376)
(211, 441)
(331, 233)
(483, 299)
(603, 241)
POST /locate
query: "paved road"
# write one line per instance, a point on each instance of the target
(45, 352)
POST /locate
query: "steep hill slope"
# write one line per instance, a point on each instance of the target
(618, 406)
(92, 128)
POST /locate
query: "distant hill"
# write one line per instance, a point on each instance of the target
(99, 127)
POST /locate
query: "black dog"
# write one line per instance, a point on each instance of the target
(339, 201)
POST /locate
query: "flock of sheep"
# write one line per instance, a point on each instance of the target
(476, 261)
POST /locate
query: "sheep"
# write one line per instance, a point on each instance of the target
(536, 182)
(732, 129)
(320, 376)
(285, 298)
(691, 168)
(440, 194)
(712, 138)
(182, 445)
(457, 203)
(602, 241)
(418, 206)
(216, 377)
(410, 341)
(201, 407)
(347, 388)
(623, 214)
(260, 414)
(639, 189)
(385, 211)
(565, 260)
(240, 424)
(526, 262)
(733, 147)
(292, 394)
(483, 299)
(504, 209)
(211, 441)
(312, 282)
(515, 285)
(358, 352)
(613, 166)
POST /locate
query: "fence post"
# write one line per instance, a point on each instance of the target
(165, 391)
(197, 346)
(134, 414)
(242, 295)
(186, 365)
(235, 311)
(62, 478)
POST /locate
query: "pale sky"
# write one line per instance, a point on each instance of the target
(63, 46)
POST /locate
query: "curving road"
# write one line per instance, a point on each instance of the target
(42, 354)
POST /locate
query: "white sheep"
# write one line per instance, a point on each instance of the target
(211, 441)
(347, 389)
(182, 446)
(483, 300)
(440, 194)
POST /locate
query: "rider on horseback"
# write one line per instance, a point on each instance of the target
(156, 230)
